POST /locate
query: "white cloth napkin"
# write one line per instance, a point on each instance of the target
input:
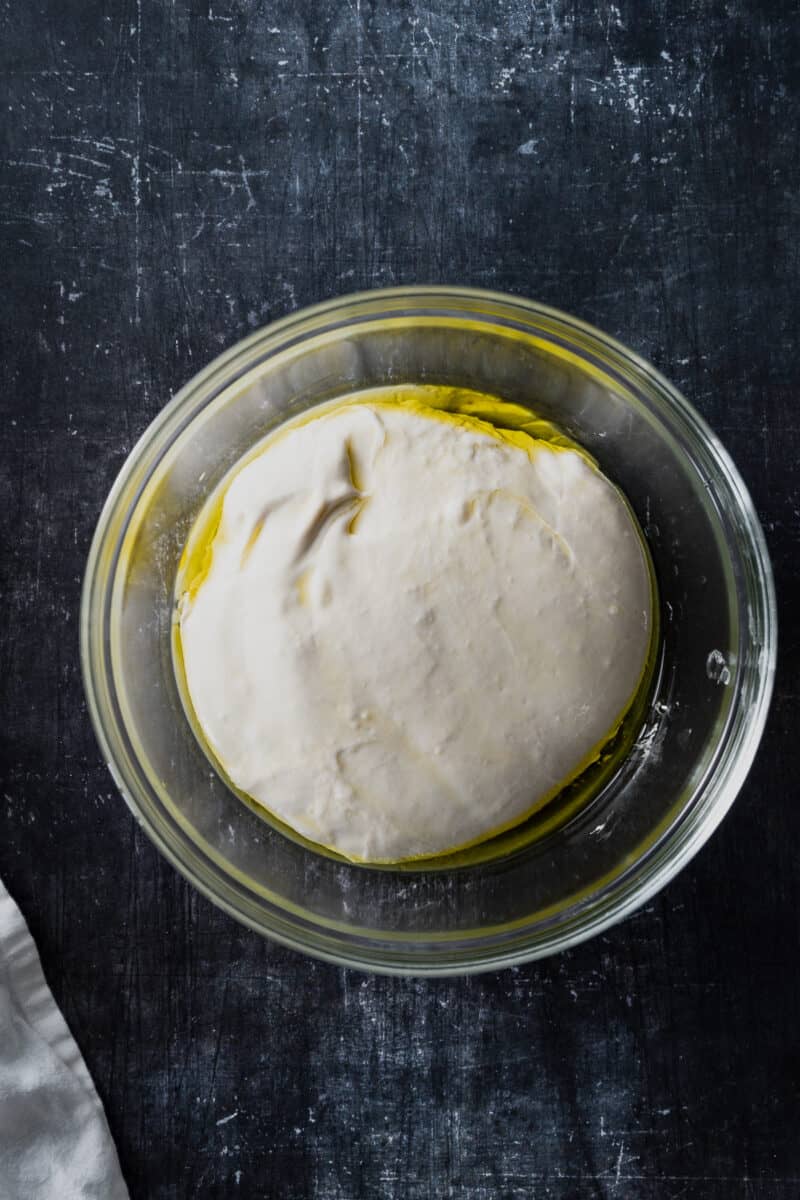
(54, 1140)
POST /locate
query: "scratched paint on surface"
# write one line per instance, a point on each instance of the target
(177, 174)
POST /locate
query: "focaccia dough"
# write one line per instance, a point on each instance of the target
(411, 631)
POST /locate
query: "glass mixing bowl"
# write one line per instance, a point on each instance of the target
(708, 704)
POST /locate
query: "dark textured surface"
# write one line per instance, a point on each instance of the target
(175, 174)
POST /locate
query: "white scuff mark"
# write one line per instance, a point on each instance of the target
(230, 1117)
(136, 180)
(413, 22)
(56, 167)
(528, 147)
(627, 86)
(226, 173)
(359, 113)
(251, 202)
(84, 158)
(136, 183)
(505, 79)
(103, 145)
(636, 158)
(630, 86)
(623, 242)
(667, 57)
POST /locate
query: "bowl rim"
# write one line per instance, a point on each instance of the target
(661, 860)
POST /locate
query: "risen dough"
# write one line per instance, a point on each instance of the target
(410, 632)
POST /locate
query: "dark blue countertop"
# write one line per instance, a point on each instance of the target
(175, 174)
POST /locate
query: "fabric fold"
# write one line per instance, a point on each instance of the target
(54, 1138)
